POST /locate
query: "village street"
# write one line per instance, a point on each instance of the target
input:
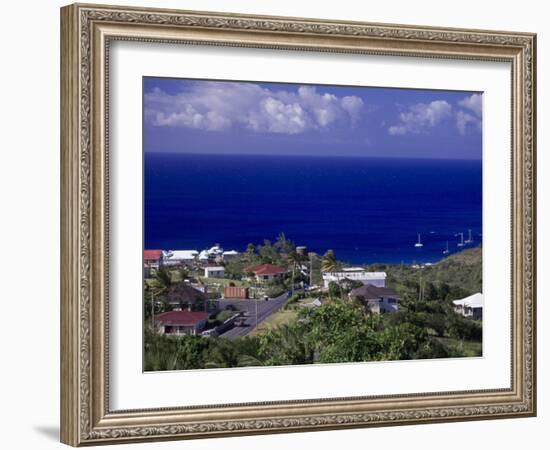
(264, 309)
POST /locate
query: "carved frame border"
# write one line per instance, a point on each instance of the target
(86, 31)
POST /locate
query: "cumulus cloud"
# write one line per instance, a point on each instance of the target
(420, 117)
(465, 120)
(216, 106)
(473, 103)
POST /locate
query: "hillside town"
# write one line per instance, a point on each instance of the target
(216, 293)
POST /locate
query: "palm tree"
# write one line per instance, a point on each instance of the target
(294, 259)
(331, 264)
(290, 346)
(223, 354)
(250, 253)
(163, 280)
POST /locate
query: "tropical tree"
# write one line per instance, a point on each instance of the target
(250, 253)
(341, 332)
(155, 292)
(331, 264)
(286, 344)
(222, 353)
(282, 244)
(268, 253)
(163, 280)
(294, 260)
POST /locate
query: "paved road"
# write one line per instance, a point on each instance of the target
(265, 309)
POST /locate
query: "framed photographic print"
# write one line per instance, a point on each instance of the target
(275, 224)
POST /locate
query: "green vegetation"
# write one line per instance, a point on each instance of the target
(456, 276)
(337, 331)
(277, 319)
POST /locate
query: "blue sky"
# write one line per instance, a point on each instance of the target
(229, 117)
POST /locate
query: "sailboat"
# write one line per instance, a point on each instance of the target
(461, 243)
(419, 244)
(446, 251)
(469, 240)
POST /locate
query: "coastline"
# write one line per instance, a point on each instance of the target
(366, 210)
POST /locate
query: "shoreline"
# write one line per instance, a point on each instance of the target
(346, 262)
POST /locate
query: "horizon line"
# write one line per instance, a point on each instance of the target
(311, 156)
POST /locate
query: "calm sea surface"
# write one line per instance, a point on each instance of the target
(366, 210)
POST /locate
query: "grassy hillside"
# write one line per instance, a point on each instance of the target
(453, 277)
(469, 257)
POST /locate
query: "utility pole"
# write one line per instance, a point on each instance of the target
(293, 275)
(310, 269)
(153, 310)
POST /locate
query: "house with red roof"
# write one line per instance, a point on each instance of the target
(152, 261)
(181, 322)
(266, 272)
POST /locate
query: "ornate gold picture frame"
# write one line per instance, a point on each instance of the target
(87, 32)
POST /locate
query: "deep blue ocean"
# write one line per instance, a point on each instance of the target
(366, 210)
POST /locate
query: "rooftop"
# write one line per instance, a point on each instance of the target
(152, 254)
(266, 269)
(183, 293)
(369, 292)
(182, 254)
(181, 318)
(473, 301)
(362, 274)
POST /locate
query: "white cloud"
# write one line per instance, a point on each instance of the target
(466, 121)
(420, 117)
(223, 105)
(473, 103)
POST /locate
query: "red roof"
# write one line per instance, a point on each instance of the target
(152, 254)
(266, 269)
(181, 318)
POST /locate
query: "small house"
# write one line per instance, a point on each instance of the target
(178, 257)
(355, 274)
(185, 297)
(230, 255)
(214, 272)
(181, 322)
(152, 261)
(266, 272)
(471, 306)
(377, 299)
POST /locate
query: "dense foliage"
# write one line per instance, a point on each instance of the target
(337, 331)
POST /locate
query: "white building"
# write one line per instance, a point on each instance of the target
(214, 272)
(229, 255)
(471, 306)
(203, 256)
(377, 279)
(174, 257)
(377, 299)
(214, 251)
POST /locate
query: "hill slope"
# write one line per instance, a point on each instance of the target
(462, 272)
